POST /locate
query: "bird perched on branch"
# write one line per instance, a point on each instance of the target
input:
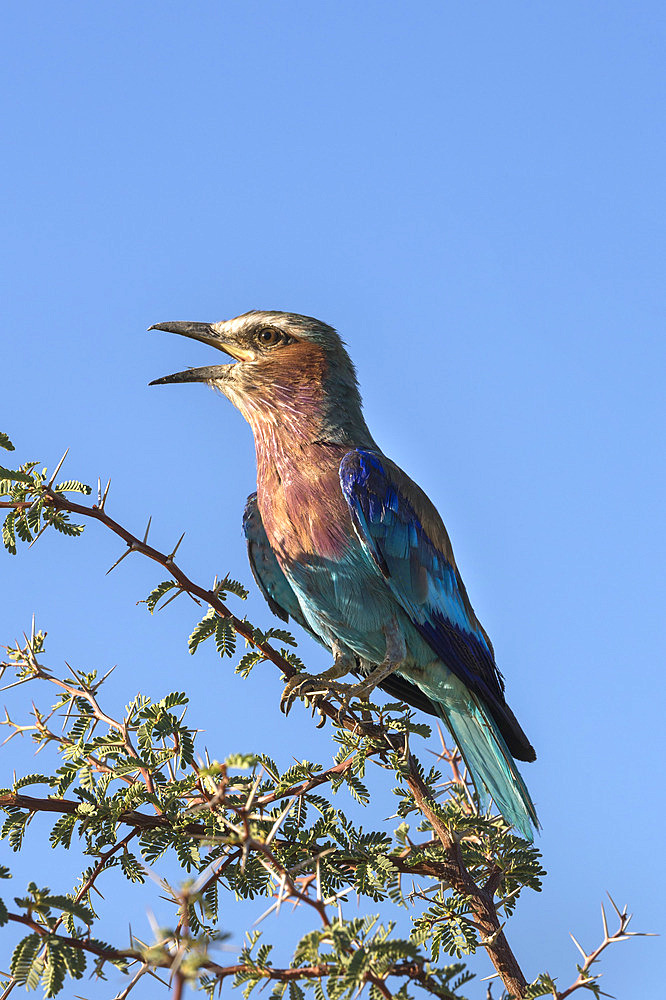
(343, 541)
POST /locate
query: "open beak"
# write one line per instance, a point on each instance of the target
(207, 334)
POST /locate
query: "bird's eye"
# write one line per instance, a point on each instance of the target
(270, 336)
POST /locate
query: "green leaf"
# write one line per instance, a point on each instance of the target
(357, 789)
(15, 475)
(60, 521)
(32, 779)
(5, 442)
(356, 969)
(55, 969)
(280, 634)
(158, 593)
(174, 699)
(542, 986)
(67, 905)
(131, 868)
(203, 630)
(14, 828)
(225, 637)
(75, 961)
(73, 486)
(295, 991)
(248, 661)
(186, 748)
(62, 830)
(23, 957)
(8, 532)
(227, 585)
(22, 527)
(242, 761)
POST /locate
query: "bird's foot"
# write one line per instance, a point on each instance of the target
(316, 687)
(311, 686)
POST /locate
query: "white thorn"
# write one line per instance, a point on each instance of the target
(580, 948)
(57, 470)
(278, 822)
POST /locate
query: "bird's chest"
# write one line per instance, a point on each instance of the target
(304, 512)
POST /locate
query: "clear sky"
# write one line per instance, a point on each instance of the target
(473, 194)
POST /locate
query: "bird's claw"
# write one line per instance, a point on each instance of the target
(307, 686)
(315, 689)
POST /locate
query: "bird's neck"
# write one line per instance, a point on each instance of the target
(292, 421)
(291, 443)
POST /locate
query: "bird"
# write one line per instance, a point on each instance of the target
(340, 539)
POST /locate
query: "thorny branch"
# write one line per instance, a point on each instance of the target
(408, 970)
(240, 841)
(585, 976)
(135, 544)
(166, 952)
(483, 905)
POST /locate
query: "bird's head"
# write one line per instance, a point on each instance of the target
(288, 369)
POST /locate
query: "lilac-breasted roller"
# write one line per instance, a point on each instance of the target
(343, 541)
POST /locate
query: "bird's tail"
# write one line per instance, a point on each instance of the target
(491, 766)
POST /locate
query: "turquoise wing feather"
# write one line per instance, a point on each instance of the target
(406, 539)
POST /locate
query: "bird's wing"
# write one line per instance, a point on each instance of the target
(405, 537)
(266, 570)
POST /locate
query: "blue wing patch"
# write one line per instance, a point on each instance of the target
(423, 580)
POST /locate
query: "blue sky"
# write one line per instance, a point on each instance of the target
(473, 195)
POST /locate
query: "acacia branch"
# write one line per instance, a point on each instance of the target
(141, 821)
(431, 868)
(101, 716)
(450, 869)
(101, 865)
(414, 971)
(135, 544)
(481, 900)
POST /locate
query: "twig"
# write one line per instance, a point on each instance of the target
(584, 977)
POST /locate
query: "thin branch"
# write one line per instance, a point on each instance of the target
(440, 870)
(134, 818)
(585, 977)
